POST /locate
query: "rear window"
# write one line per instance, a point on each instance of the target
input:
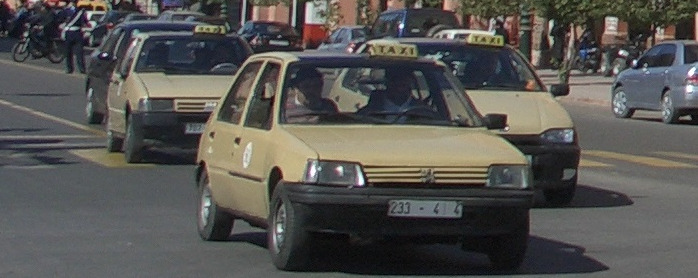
(274, 29)
(691, 55)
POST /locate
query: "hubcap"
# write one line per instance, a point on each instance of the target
(205, 207)
(667, 105)
(279, 228)
(619, 103)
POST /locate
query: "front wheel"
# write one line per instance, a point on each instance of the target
(508, 251)
(213, 223)
(55, 54)
(133, 143)
(669, 113)
(93, 117)
(619, 103)
(20, 53)
(288, 243)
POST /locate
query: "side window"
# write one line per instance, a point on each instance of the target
(690, 54)
(341, 36)
(259, 114)
(667, 53)
(333, 36)
(382, 25)
(647, 60)
(110, 43)
(235, 100)
(130, 56)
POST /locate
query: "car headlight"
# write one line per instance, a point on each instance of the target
(334, 173)
(509, 176)
(155, 105)
(559, 136)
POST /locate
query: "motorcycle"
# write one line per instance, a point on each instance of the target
(625, 55)
(30, 45)
(588, 58)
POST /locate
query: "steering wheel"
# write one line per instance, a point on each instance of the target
(418, 111)
(224, 67)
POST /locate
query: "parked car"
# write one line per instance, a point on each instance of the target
(266, 36)
(345, 39)
(171, 15)
(106, 23)
(424, 22)
(665, 79)
(317, 176)
(499, 79)
(459, 33)
(102, 60)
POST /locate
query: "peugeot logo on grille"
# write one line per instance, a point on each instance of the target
(427, 175)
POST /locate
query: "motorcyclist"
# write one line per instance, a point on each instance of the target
(44, 24)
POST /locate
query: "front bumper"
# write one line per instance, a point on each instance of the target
(363, 211)
(169, 128)
(554, 166)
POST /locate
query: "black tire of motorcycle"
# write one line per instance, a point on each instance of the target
(17, 54)
(56, 55)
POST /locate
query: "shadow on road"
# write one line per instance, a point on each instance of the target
(32, 153)
(544, 256)
(591, 197)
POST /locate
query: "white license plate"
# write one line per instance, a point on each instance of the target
(275, 42)
(194, 128)
(425, 209)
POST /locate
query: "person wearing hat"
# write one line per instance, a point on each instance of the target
(304, 98)
(74, 19)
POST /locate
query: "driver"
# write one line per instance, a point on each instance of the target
(398, 94)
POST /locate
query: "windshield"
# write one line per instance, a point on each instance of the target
(395, 93)
(274, 28)
(486, 68)
(191, 55)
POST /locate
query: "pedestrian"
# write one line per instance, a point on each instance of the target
(500, 30)
(75, 19)
(5, 15)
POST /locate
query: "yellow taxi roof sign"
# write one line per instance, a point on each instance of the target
(392, 50)
(210, 29)
(488, 40)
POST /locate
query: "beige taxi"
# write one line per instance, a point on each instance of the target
(279, 155)
(498, 79)
(164, 90)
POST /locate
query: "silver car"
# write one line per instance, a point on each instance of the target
(345, 39)
(664, 79)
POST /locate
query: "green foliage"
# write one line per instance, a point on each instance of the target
(576, 12)
(491, 8)
(660, 13)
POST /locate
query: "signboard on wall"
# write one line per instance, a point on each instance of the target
(314, 11)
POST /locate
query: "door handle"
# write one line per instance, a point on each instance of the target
(237, 140)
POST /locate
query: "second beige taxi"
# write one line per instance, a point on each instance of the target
(163, 91)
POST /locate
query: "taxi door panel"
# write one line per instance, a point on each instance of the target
(225, 140)
(252, 161)
(116, 104)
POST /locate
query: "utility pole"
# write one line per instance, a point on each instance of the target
(525, 31)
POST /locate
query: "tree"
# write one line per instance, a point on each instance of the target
(490, 9)
(654, 13)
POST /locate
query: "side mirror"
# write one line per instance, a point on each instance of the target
(268, 91)
(496, 121)
(104, 56)
(559, 90)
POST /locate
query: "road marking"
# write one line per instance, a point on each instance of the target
(45, 137)
(98, 132)
(590, 163)
(644, 160)
(40, 68)
(106, 159)
(678, 155)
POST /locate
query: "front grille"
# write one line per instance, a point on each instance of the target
(195, 105)
(425, 176)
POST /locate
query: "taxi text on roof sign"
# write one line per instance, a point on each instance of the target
(210, 29)
(392, 50)
(489, 40)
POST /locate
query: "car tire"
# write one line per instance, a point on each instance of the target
(508, 251)
(93, 117)
(669, 113)
(561, 196)
(288, 243)
(133, 143)
(114, 144)
(213, 223)
(619, 104)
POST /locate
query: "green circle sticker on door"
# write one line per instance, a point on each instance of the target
(247, 155)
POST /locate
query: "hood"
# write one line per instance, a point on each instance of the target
(160, 85)
(408, 145)
(527, 112)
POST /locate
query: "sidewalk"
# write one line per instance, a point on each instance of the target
(588, 88)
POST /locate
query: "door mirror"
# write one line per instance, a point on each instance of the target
(496, 121)
(559, 90)
(268, 91)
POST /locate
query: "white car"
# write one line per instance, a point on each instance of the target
(460, 33)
